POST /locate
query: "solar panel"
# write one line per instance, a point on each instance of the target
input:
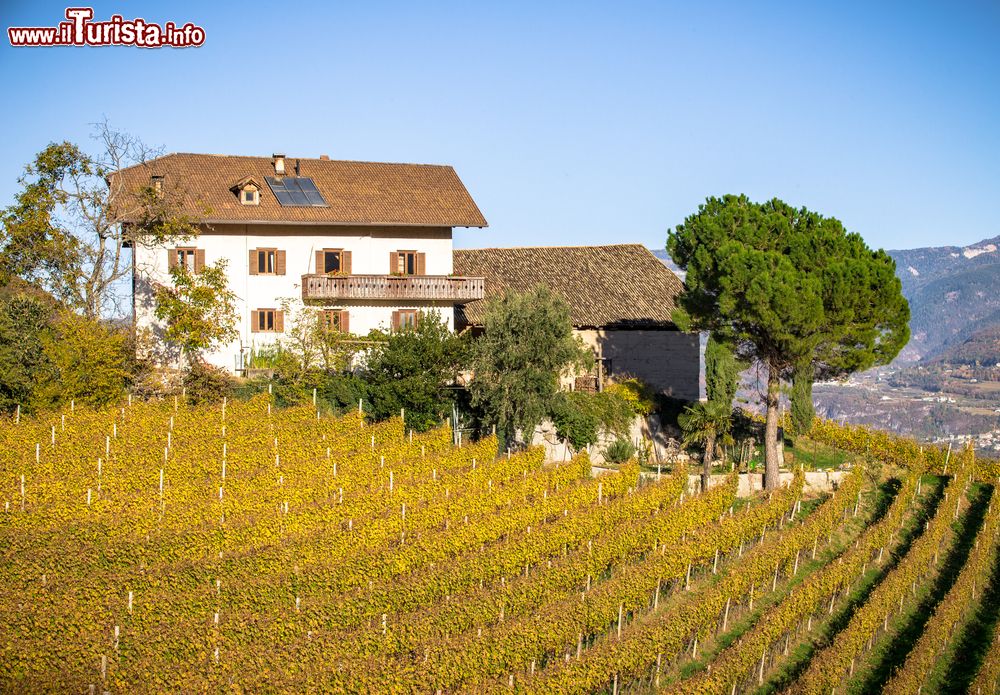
(296, 191)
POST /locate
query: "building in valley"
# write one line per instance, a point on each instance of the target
(620, 298)
(369, 243)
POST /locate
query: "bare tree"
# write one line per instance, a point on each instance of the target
(77, 218)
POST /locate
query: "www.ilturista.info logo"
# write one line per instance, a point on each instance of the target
(79, 30)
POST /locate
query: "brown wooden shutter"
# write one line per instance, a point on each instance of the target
(421, 264)
(345, 262)
(395, 320)
(171, 258)
(416, 318)
(393, 263)
(279, 262)
(253, 261)
(199, 260)
(345, 321)
(279, 321)
(319, 263)
(254, 321)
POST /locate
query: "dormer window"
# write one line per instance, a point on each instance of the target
(247, 190)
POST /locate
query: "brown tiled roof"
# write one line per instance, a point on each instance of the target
(356, 193)
(615, 286)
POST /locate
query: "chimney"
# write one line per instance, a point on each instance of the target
(157, 182)
(325, 157)
(296, 167)
(279, 164)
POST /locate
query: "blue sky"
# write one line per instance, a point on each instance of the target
(570, 124)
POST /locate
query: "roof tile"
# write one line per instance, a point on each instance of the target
(614, 286)
(358, 193)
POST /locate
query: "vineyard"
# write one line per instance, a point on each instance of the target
(241, 547)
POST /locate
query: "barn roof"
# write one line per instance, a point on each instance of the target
(613, 286)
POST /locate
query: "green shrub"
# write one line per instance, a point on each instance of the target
(204, 383)
(579, 416)
(619, 451)
(575, 419)
(639, 396)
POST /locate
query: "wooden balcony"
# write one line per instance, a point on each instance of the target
(392, 287)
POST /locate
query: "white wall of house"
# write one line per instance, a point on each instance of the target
(370, 249)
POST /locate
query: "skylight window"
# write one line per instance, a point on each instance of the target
(296, 191)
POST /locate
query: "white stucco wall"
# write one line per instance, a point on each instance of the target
(370, 248)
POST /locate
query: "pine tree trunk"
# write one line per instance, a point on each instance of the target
(706, 461)
(772, 463)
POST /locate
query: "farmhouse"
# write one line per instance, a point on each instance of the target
(620, 297)
(369, 243)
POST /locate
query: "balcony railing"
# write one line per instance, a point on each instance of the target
(382, 287)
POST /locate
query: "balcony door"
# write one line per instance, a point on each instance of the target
(333, 261)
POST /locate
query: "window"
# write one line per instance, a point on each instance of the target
(267, 321)
(332, 261)
(265, 261)
(404, 319)
(407, 263)
(250, 196)
(335, 320)
(187, 258)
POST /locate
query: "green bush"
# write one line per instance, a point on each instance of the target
(579, 416)
(575, 419)
(619, 451)
(636, 393)
(204, 383)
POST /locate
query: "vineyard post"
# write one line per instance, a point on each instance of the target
(715, 563)
(22, 492)
(687, 580)
(621, 607)
(725, 616)
(38, 453)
